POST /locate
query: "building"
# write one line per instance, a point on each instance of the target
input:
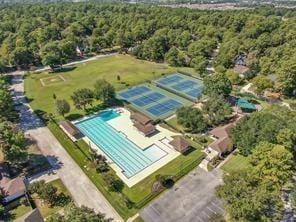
(180, 144)
(32, 216)
(222, 142)
(11, 188)
(245, 106)
(143, 123)
(71, 130)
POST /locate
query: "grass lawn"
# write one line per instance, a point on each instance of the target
(173, 122)
(131, 71)
(18, 212)
(236, 162)
(44, 208)
(140, 194)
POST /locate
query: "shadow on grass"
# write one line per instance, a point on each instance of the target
(73, 116)
(63, 69)
(190, 150)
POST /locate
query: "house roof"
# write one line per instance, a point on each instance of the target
(71, 129)
(12, 186)
(221, 131)
(145, 129)
(241, 69)
(32, 216)
(245, 104)
(180, 144)
(140, 118)
(221, 145)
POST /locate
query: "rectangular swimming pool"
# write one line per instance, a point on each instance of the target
(126, 154)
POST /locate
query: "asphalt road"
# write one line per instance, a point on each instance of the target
(190, 200)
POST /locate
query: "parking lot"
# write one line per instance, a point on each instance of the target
(191, 199)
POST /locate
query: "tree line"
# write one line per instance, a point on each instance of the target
(50, 34)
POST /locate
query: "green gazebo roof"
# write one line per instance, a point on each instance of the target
(245, 104)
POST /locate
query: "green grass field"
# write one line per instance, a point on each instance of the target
(131, 71)
(236, 162)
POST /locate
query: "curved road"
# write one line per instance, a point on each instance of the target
(81, 188)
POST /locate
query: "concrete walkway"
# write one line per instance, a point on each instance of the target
(80, 187)
(78, 62)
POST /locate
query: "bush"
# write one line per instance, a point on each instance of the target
(114, 184)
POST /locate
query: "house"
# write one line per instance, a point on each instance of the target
(11, 188)
(222, 142)
(71, 130)
(240, 65)
(180, 144)
(143, 123)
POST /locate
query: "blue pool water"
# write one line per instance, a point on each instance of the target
(127, 155)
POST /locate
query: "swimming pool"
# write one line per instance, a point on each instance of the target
(126, 154)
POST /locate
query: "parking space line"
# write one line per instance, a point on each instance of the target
(217, 206)
(211, 210)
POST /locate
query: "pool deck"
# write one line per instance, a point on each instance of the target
(124, 124)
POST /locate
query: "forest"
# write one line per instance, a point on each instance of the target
(49, 34)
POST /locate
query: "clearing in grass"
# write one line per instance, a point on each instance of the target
(236, 162)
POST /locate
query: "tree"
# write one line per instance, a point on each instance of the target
(199, 63)
(261, 83)
(46, 191)
(52, 60)
(114, 184)
(246, 200)
(74, 213)
(174, 57)
(287, 77)
(104, 91)
(82, 98)
(281, 169)
(254, 194)
(217, 84)
(216, 109)
(233, 76)
(259, 127)
(62, 106)
(191, 118)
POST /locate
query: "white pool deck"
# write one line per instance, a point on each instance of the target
(124, 124)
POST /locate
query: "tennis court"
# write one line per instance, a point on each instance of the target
(153, 101)
(182, 85)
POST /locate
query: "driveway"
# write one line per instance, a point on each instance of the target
(80, 187)
(192, 199)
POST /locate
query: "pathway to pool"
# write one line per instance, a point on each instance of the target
(80, 187)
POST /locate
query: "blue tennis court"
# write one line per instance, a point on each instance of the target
(183, 85)
(148, 99)
(164, 107)
(170, 79)
(153, 101)
(134, 92)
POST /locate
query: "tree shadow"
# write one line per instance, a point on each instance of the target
(63, 69)
(73, 116)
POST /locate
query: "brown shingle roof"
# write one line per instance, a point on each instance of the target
(140, 118)
(12, 186)
(222, 145)
(32, 216)
(180, 144)
(221, 131)
(71, 129)
(145, 129)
